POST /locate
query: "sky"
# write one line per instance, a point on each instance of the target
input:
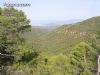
(42, 10)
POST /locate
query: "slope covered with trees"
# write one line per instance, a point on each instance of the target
(71, 49)
(36, 32)
(66, 36)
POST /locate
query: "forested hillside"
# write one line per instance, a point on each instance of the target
(36, 33)
(67, 50)
(67, 36)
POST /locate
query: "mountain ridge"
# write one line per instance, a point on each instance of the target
(66, 36)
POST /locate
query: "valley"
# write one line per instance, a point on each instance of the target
(69, 49)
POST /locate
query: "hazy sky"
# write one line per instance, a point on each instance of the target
(58, 9)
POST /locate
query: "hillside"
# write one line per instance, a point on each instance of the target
(36, 32)
(66, 36)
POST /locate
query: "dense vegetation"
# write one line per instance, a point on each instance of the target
(68, 50)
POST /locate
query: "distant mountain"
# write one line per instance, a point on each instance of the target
(54, 22)
(66, 36)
